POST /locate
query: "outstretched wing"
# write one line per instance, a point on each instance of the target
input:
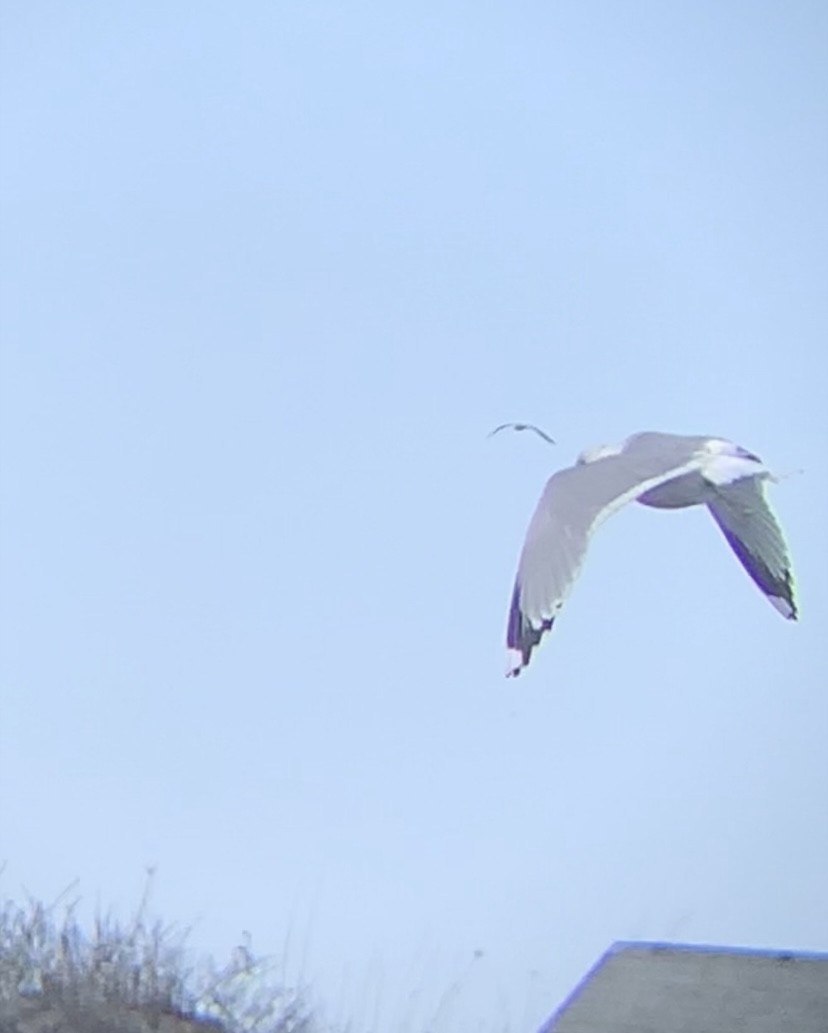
(574, 502)
(742, 512)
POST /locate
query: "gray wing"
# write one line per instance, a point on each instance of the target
(574, 502)
(742, 512)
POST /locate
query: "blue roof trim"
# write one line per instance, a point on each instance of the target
(690, 948)
(712, 948)
(570, 997)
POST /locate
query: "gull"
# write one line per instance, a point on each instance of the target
(522, 426)
(665, 471)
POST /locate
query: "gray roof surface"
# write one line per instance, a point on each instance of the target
(674, 988)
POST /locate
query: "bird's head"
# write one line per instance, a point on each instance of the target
(723, 447)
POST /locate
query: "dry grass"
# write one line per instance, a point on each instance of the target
(56, 978)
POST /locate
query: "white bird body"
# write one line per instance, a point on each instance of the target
(690, 489)
(663, 471)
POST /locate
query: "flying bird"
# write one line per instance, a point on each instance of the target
(522, 426)
(665, 471)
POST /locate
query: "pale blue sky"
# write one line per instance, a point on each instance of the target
(270, 273)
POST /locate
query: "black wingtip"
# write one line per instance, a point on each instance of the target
(521, 637)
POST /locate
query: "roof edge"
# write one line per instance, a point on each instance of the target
(714, 948)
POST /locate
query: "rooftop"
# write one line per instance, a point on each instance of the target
(681, 988)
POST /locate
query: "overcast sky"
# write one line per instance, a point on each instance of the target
(270, 273)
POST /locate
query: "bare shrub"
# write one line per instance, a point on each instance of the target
(55, 978)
